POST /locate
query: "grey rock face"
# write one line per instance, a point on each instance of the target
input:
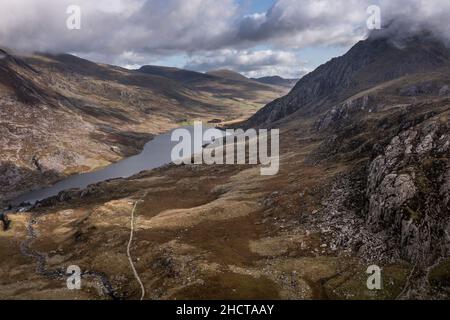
(407, 192)
(425, 88)
(395, 207)
(409, 91)
(344, 110)
(394, 191)
(445, 90)
(359, 69)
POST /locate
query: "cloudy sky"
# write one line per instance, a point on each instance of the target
(254, 37)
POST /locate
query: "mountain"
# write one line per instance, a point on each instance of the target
(47, 100)
(277, 81)
(225, 84)
(364, 181)
(228, 74)
(181, 75)
(16, 77)
(368, 64)
(380, 115)
(264, 83)
(218, 77)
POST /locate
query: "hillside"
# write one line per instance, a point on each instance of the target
(369, 63)
(228, 74)
(63, 115)
(364, 180)
(381, 114)
(277, 81)
(181, 75)
(230, 87)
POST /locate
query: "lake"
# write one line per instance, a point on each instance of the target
(156, 153)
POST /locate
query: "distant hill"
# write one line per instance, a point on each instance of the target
(221, 83)
(274, 81)
(277, 81)
(184, 76)
(228, 74)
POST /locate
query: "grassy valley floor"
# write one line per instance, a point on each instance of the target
(202, 232)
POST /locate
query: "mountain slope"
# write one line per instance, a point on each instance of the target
(47, 100)
(221, 83)
(364, 180)
(277, 81)
(228, 74)
(181, 75)
(382, 111)
(367, 64)
(235, 76)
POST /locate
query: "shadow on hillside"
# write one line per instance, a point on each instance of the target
(123, 143)
(15, 180)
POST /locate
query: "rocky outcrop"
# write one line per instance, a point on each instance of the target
(344, 110)
(394, 206)
(425, 88)
(408, 193)
(373, 106)
(445, 90)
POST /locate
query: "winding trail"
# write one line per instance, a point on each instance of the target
(60, 273)
(130, 259)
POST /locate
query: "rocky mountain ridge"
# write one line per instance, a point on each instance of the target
(385, 109)
(369, 63)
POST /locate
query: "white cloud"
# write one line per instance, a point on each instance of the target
(250, 63)
(409, 17)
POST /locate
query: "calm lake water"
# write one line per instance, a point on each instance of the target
(156, 153)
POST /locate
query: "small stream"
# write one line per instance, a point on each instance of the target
(59, 273)
(156, 153)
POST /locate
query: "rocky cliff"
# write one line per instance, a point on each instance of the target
(369, 63)
(382, 109)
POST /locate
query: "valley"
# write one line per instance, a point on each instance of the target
(364, 180)
(62, 115)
